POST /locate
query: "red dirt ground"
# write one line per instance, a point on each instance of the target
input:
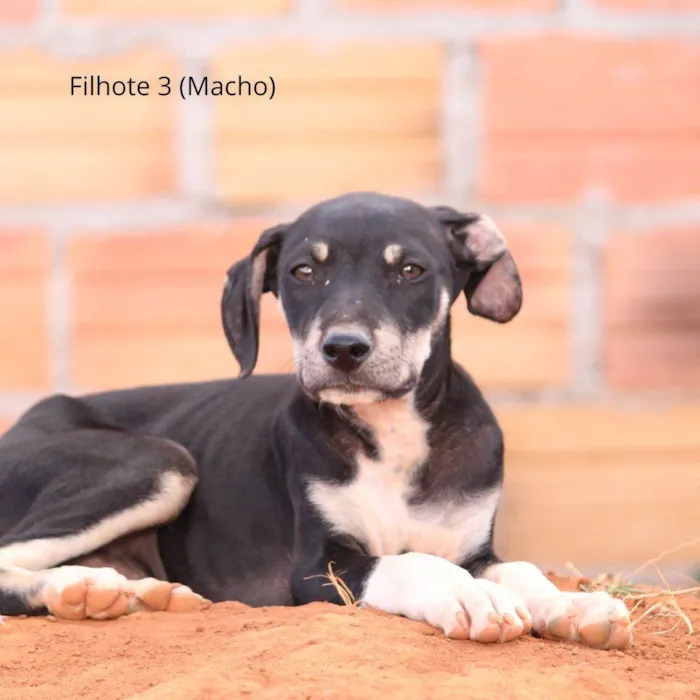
(325, 651)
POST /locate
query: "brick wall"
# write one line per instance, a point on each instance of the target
(574, 123)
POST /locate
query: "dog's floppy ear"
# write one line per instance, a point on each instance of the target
(492, 284)
(245, 284)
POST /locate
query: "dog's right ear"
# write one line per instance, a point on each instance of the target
(244, 286)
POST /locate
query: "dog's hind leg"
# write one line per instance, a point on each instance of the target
(88, 489)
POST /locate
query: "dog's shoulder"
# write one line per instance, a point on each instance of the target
(466, 441)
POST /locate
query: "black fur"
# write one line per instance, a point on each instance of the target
(249, 532)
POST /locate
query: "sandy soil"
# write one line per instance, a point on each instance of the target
(324, 651)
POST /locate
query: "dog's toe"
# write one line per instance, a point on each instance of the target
(67, 602)
(605, 622)
(79, 592)
(485, 612)
(184, 599)
(594, 619)
(152, 594)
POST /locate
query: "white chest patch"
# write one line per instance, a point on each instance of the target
(374, 507)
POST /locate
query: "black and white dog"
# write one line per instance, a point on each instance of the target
(381, 457)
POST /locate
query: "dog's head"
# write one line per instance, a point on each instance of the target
(366, 282)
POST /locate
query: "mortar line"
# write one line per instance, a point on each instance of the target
(315, 20)
(194, 139)
(461, 125)
(49, 12)
(116, 217)
(58, 309)
(575, 11)
(591, 230)
(311, 10)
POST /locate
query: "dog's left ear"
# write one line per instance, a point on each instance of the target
(244, 286)
(492, 286)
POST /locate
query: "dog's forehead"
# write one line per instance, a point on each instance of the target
(364, 224)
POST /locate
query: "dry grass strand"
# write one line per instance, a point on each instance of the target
(619, 587)
(335, 580)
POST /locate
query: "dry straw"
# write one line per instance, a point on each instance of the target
(666, 598)
(346, 595)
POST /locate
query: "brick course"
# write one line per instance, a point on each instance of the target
(349, 116)
(564, 114)
(60, 148)
(18, 12)
(628, 471)
(652, 310)
(146, 307)
(157, 9)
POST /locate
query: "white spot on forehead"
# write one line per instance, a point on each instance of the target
(320, 251)
(392, 253)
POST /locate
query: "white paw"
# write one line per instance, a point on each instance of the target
(481, 611)
(595, 619)
(79, 592)
(430, 589)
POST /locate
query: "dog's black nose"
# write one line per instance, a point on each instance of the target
(346, 351)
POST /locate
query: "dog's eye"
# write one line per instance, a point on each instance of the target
(411, 272)
(303, 272)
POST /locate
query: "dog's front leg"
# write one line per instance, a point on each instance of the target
(420, 587)
(596, 619)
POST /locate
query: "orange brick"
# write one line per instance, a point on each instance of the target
(56, 147)
(652, 310)
(565, 114)
(345, 116)
(596, 485)
(488, 5)
(533, 350)
(24, 344)
(144, 9)
(146, 307)
(18, 11)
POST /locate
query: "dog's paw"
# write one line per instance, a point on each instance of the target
(481, 611)
(595, 619)
(431, 589)
(152, 594)
(80, 592)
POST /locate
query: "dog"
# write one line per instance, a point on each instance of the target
(379, 460)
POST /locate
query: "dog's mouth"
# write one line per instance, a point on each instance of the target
(351, 393)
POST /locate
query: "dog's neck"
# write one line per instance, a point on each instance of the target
(396, 439)
(435, 376)
(351, 423)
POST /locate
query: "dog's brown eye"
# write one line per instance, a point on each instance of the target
(411, 272)
(303, 272)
